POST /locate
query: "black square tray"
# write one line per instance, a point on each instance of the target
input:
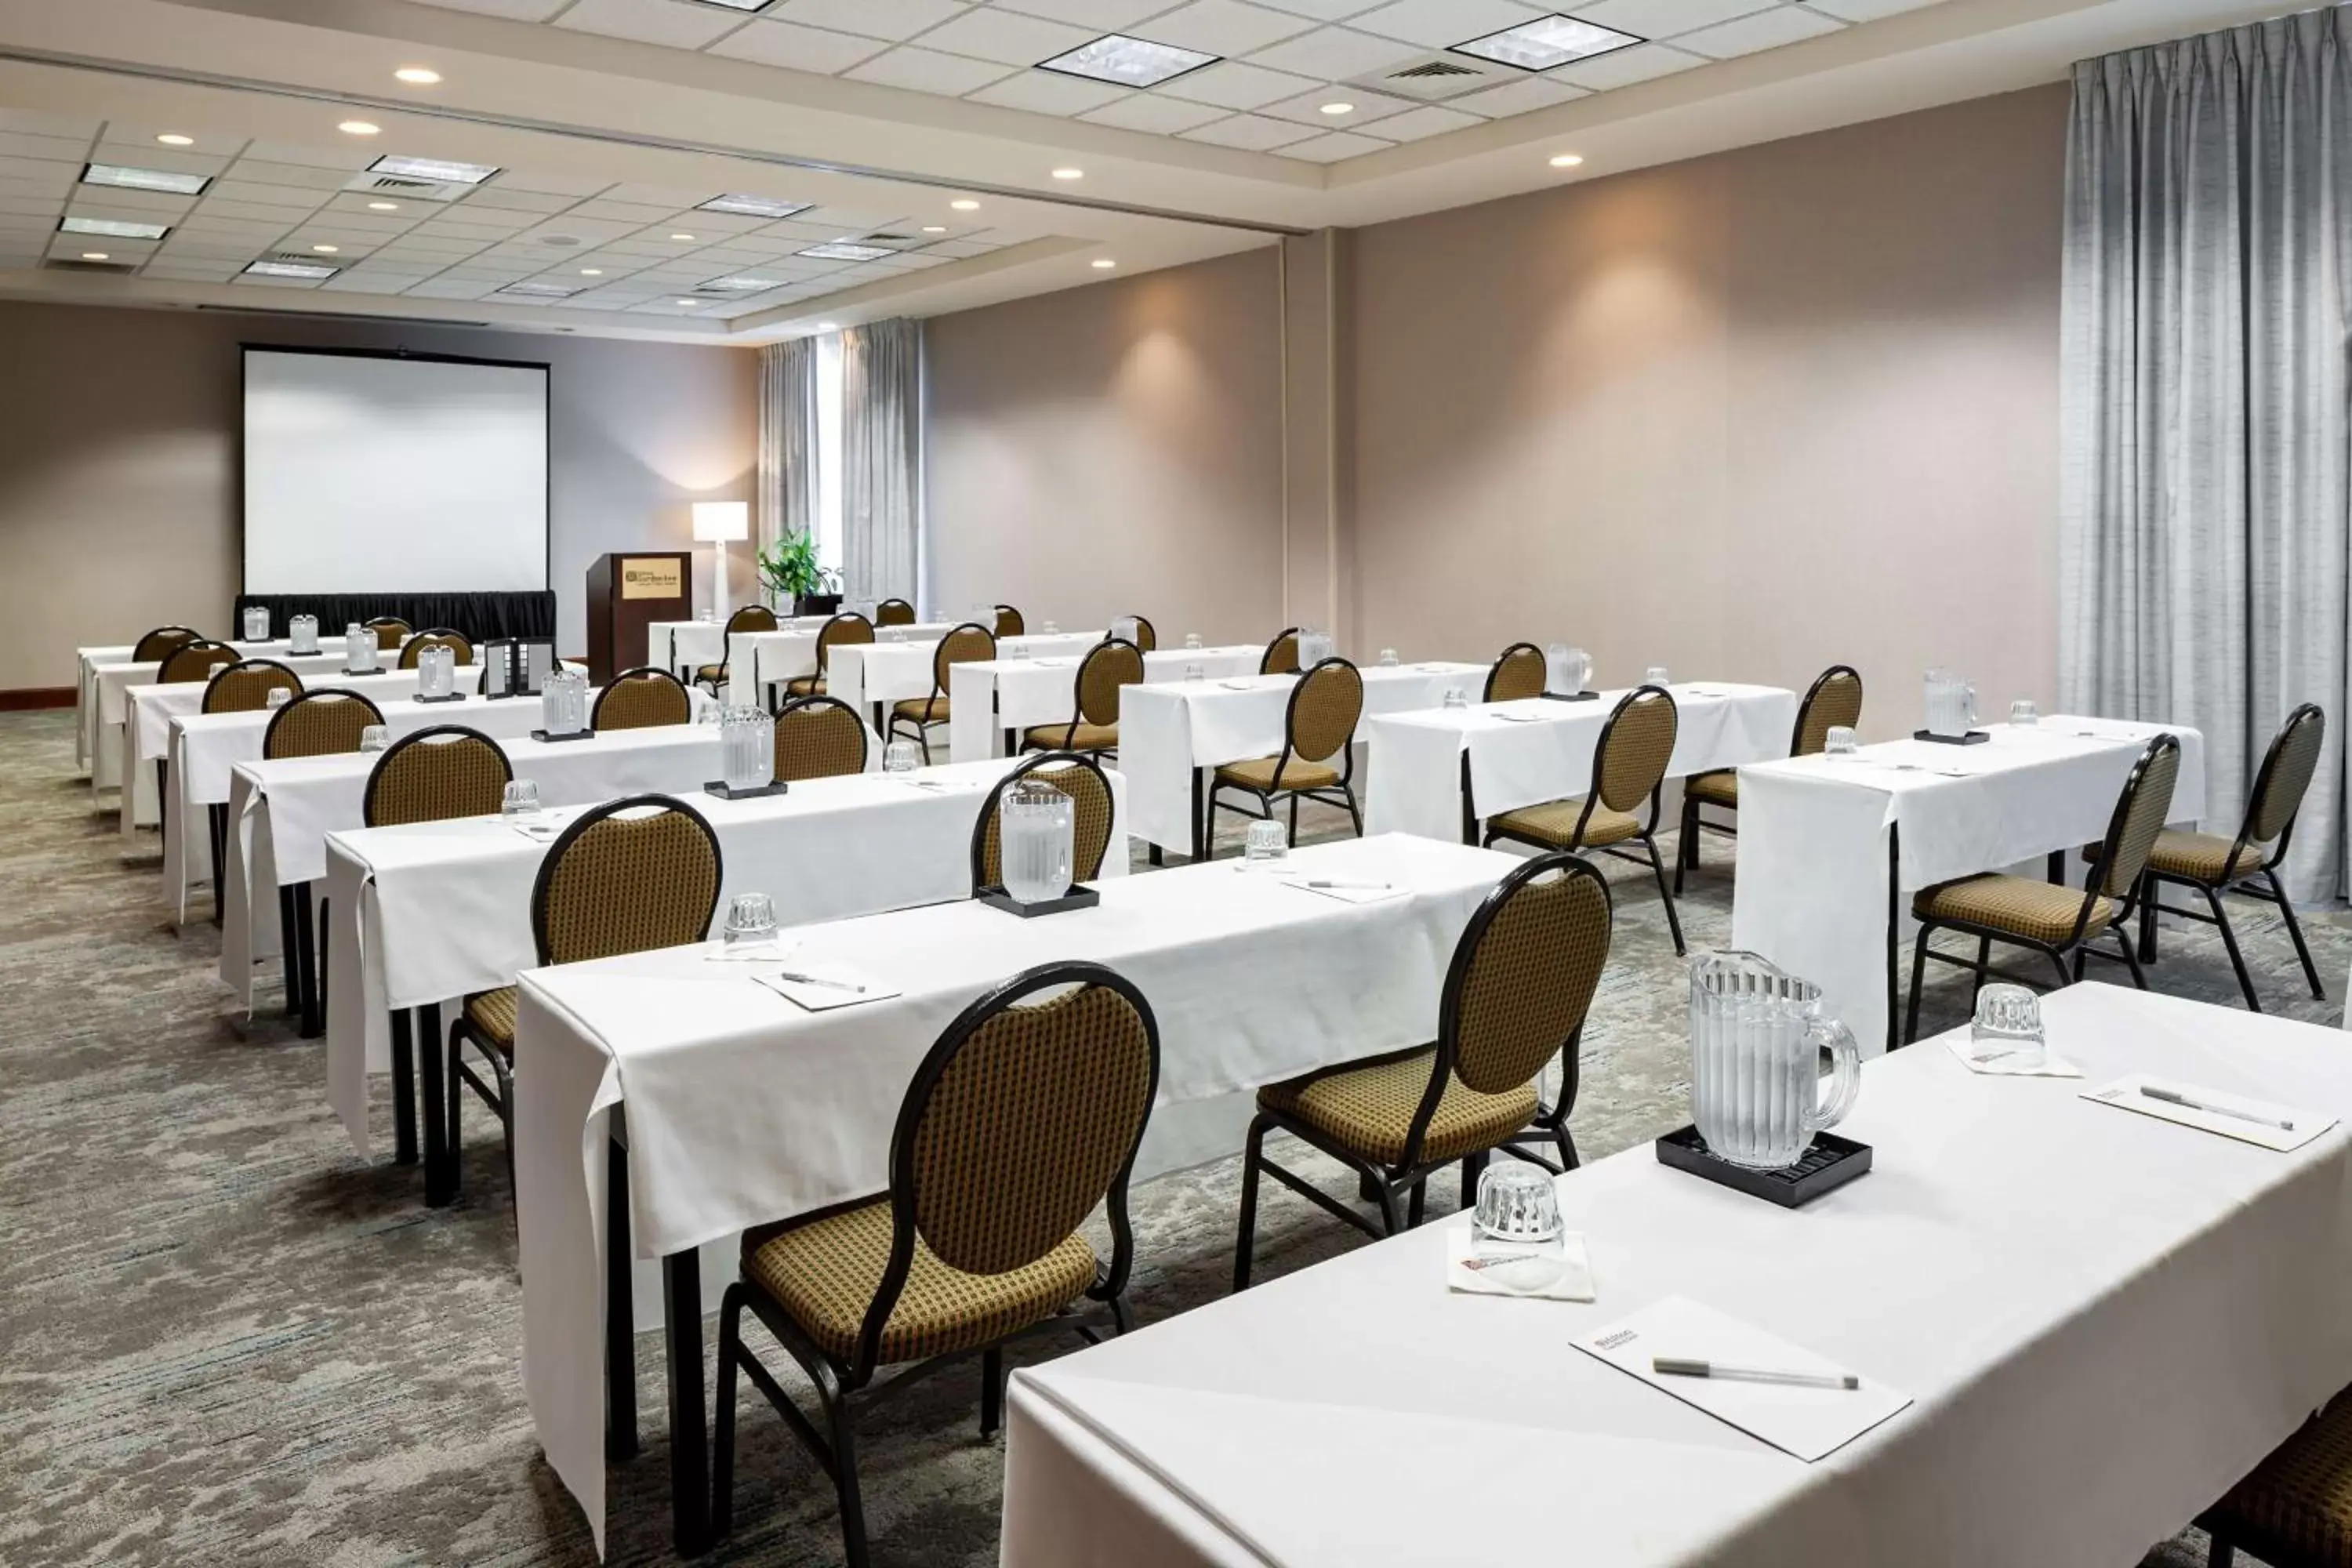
(1570, 696)
(575, 735)
(362, 674)
(1829, 1164)
(1973, 738)
(1079, 896)
(719, 787)
(453, 697)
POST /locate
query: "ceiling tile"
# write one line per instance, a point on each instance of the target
(353, 159)
(926, 70)
(519, 10)
(1520, 97)
(639, 212)
(896, 20)
(1151, 111)
(261, 172)
(1252, 132)
(1307, 108)
(1429, 120)
(1867, 10)
(497, 197)
(1324, 10)
(1623, 68)
(1233, 85)
(1335, 53)
(1333, 148)
(1049, 93)
(989, 34)
(1102, 15)
(1442, 24)
(1764, 30)
(797, 48)
(671, 22)
(1223, 27)
(55, 149)
(1664, 18)
(31, 179)
(554, 184)
(204, 143)
(35, 124)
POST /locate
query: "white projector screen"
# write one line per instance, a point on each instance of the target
(368, 473)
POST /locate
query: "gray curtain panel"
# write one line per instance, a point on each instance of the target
(786, 498)
(881, 440)
(2204, 517)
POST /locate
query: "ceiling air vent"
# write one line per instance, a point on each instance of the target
(406, 188)
(1436, 77)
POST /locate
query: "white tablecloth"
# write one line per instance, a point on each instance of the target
(884, 672)
(758, 660)
(991, 696)
(1166, 730)
(85, 662)
(1525, 753)
(432, 911)
(2104, 1321)
(1812, 893)
(743, 1109)
(126, 722)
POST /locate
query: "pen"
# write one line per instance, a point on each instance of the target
(818, 980)
(1354, 887)
(1477, 1263)
(2171, 1098)
(1675, 1366)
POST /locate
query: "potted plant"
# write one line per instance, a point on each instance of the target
(789, 571)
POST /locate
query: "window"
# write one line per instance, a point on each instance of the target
(828, 499)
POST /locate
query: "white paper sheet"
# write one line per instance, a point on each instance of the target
(827, 988)
(2124, 1094)
(1556, 1271)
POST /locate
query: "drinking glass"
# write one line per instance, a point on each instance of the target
(1517, 1203)
(1455, 698)
(1655, 676)
(279, 696)
(901, 757)
(710, 714)
(2008, 1027)
(374, 738)
(1387, 658)
(746, 748)
(1757, 1033)
(1837, 741)
(520, 798)
(1193, 640)
(750, 918)
(1038, 829)
(1266, 846)
(256, 624)
(1124, 629)
(1194, 672)
(2023, 712)
(1053, 629)
(707, 614)
(894, 633)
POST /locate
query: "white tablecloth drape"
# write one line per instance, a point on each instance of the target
(2103, 1320)
(743, 1109)
(87, 753)
(992, 696)
(134, 714)
(1528, 752)
(887, 672)
(434, 911)
(1168, 730)
(1813, 892)
(758, 660)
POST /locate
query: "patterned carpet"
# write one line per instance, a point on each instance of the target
(224, 1340)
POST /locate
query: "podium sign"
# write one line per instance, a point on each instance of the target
(627, 591)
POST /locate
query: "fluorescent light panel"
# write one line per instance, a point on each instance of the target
(292, 269)
(541, 290)
(132, 179)
(838, 251)
(740, 283)
(753, 206)
(114, 229)
(738, 5)
(1127, 62)
(1546, 42)
(439, 169)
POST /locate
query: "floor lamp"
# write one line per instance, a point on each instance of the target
(718, 524)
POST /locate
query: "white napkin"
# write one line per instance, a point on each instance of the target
(1348, 890)
(2020, 1065)
(827, 986)
(1555, 1270)
(538, 832)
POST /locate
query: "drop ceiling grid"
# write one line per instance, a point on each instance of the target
(268, 200)
(1280, 60)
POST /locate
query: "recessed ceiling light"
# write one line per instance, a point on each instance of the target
(312, 270)
(327, 249)
(683, 238)
(145, 179)
(113, 229)
(360, 127)
(689, 303)
(1546, 42)
(839, 250)
(592, 272)
(173, 139)
(828, 326)
(753, 206)
(1067, 172)
(742, 283)
(418, 76)
(440, 169)
(1567, 160)
(966, 204)
(1127, 62)
(1338, 108)
(1104, 264)
(935, 228)
(539, 288)
(95, 256)
(383, 206)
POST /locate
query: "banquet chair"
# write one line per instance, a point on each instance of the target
(1281, 656)
(748, 619)
(439, 636)
(1146, 635)
(894, 612)
(391, 631)
(163, 642)
(967, 643)
(434, 776)
(1022, 1120)
(1078, 776)
(640, 699)
(1009, 621)
(1515, 993)
(2214, 865)
(1833, 699)
(1318, 726)
(631, 875)
(2295, 1509)
(321, 723)
(2052, 918)
(1108, 665)
(849, 627)
(1520, 672)
(198, 661)
(1629, 765)
(244, 686)
(819, 738)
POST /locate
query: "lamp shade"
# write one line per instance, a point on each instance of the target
(722, 521)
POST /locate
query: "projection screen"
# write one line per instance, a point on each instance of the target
(379, 473)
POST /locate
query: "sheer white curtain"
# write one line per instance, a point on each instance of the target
(787, 476)
(2205, 521)
(881, 401)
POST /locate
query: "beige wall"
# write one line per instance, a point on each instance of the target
(118, 462)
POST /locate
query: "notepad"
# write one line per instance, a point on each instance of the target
(1351, 891)
(2124, 1094)
(825, 987)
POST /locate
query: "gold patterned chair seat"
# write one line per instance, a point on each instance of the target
(805, 686)
(922, 710)
(1369, 1109)
(709, 671)
(493, 1013)
(1554, 822)
(1080, 737)
(1257, 774)
(825, 1273)
(2203, 857)
(2296, 1507)
(2039, 911)
(1716, 789)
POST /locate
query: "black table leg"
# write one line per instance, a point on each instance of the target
(216, 830)
(302, 967)
(620, 1312)
(1159, 857)
(314, 970)
(1469, 806)
(689, 1442)
(404, 1090)
(1894, 932)
(1200, 816)
(432, 1067)
(290, 948)
(2058, 866)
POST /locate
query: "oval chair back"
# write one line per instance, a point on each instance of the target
(2280, 783)
(1321, 719)
(435, 774)
(197, 660)
(391, 631)
(1146, 635)
(1109, 665)
(845, 628)
(748, 619)
(1281, 656)
(2139, 815)
(967, 644)
(819, 738)
(1520, 672)
(439, 636)
(1074, 775)
(894, 612)
(323, 723)
(1021, 1121)
(162, 643)
(1636, 746)
(246, 685)
(635, 874)
(1833, 700)
(1009, 621)
(640, 699)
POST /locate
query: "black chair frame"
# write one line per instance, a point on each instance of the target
(1041, 760)
(643, 672)
(1266, 659)
(921, 728)
(1487, 692)
(1687, 842)
(818, 699)
(1077, 696)
(1342, 796)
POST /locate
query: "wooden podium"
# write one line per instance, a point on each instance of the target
(627, 591)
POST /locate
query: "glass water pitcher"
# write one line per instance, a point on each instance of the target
(563, 702)
(256, 624)
(1566, 670)
(1951, 706)
(359, 648)
(746, 748)
(1038, 830)
(1314, 647)
(1757, 1033)
(436, 672)
(302, 631)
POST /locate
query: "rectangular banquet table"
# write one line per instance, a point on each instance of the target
(118, 690)
(2104, 1321)
(683, 647)
(873, 676)
(1832, 847)
(1172, 735)
(995, 700)
(757, 662)
(742, 1109)
(1525, 753)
